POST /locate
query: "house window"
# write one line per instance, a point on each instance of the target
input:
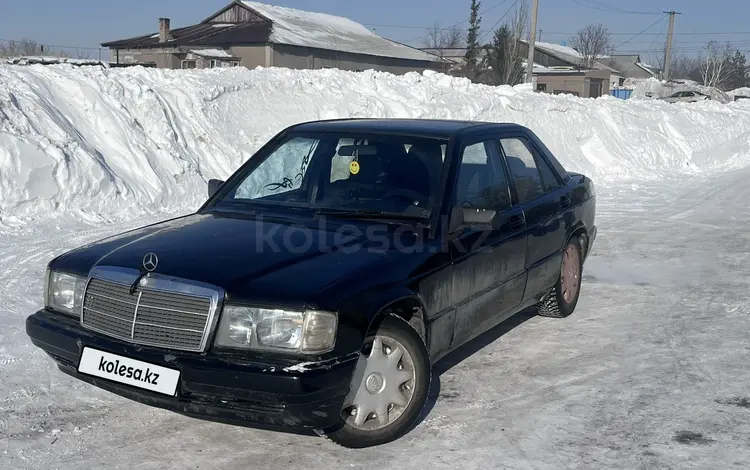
(541, 87)
(188, 64)
(235, 64)
(212, 63)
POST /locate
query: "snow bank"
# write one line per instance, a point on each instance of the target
(744, 91)
(48, 60)
(105, 143)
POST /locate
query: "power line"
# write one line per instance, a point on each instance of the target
(50, 45)
(498, 21)
(396, 26)
(400, 26)
(638, 34)
(736, 33)
(657, 36)
(481, 13)
(610, 9)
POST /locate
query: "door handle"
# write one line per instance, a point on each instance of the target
(516, 222)
(565, 201)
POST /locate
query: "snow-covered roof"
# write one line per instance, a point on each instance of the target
(212, 53)
(648, 68)
(324, 31)
(559, 49)
(569, 54)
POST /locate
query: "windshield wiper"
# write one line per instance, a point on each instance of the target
(368, 214)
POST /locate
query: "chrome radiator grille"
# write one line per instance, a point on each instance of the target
(161, 313)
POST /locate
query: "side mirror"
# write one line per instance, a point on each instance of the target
(213, 186)
(471, 217)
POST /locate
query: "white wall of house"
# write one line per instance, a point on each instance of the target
(616, 80)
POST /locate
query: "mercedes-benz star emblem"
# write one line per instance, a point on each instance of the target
(150, 261)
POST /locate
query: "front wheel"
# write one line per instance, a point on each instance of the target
(390, 390)
(562, 299)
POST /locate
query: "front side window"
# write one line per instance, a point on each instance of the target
(388, 173)
(481, 179)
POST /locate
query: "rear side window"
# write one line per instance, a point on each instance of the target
(531, 174)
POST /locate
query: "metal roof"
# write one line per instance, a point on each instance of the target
(202, 34)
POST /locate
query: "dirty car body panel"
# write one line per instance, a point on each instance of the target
(457, 278)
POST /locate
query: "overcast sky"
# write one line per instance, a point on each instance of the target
(87, 23)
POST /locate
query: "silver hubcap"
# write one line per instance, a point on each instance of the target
(387, 387)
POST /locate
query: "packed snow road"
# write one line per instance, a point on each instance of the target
(649, 372)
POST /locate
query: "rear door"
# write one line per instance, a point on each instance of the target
(488, 275)
(545, 202)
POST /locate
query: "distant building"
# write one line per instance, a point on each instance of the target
(254, 34)
(559, 69)
(631, 66)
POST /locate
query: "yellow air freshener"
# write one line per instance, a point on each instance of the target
(354, 167)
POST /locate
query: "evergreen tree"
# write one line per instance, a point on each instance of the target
(738, 72)
(496, 57)
(472, 40)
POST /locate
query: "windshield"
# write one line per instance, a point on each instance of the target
(332, 172)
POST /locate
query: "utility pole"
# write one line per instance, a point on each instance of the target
(532, 42)
(668, 49)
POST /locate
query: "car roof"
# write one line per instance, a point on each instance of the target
(439, 128)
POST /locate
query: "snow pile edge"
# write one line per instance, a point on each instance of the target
(103, 143)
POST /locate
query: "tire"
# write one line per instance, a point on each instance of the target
(375, 385)
(563, 298)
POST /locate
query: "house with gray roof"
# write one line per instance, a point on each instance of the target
(255, 34)
(631, 66)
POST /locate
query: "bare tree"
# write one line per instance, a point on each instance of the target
(27, 47)
(592, 42)
(513, 71)
(82, 54)
(442, 42)
(442, 39)
(681, 66)
(24, 47)
(714, 64)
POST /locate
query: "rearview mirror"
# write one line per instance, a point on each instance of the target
(352, 150)
(471, 217)
(213, 186)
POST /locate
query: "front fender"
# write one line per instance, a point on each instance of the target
(362, 310)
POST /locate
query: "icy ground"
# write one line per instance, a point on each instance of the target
(649, 372)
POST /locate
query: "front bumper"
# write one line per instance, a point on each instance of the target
(212, 386)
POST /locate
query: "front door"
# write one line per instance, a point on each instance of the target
(488, 276)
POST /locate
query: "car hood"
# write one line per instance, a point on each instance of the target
(258, 261)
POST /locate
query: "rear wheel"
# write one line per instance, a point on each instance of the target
(390, 390)
(562, 299)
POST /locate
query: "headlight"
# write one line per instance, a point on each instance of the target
(64, 292)
(307, 332)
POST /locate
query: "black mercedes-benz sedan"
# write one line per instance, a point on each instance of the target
(317, 286)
